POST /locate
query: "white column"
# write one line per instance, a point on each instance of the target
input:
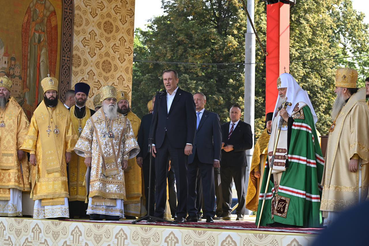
(249, 95)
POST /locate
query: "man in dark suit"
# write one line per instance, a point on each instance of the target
(143, 158)
(205, 156)
(236, 139)
(173, 131)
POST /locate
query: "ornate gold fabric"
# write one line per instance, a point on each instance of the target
(13, 173)
(77, 167)
(49, 176)
(349, 137)
(133, 176)
(103, 44)
(125, 147)
(257, 164)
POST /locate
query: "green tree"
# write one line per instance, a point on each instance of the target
(204, 41)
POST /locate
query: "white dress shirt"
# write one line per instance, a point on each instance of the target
(235, 125)
(170, 98)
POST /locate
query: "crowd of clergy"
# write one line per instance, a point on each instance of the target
(105, 163)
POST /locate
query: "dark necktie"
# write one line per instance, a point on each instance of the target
(231, 131)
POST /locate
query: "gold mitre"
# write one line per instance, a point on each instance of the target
(6, 83)
(122, 95)
(49, 83)
(108, 92)
(346, 78)
(150, 106)
(97, 101)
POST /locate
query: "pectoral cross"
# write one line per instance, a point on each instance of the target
(48, 131)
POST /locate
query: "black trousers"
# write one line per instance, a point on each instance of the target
(218, 192)
(238, 174)
(77, 209)
(206, 172)
(146, 169)
(179, 166)
(172, 193)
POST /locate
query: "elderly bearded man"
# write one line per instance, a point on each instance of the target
(133, 175)
(49, 141)
(14, 169)
(107, 143)
(293, 195)
(345, 180)
(79, 114)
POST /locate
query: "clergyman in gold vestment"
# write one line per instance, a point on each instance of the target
(79, 114)
(107, 142)
(133, 174)
(346, 173)
(14, 169)
(257, 165)
(49, 141)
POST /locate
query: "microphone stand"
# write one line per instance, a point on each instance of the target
(149, 217)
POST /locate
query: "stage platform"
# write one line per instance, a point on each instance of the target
(27, 231)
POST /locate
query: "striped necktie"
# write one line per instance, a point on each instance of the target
(231, 131)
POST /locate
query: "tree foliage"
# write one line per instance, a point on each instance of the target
(204, 41)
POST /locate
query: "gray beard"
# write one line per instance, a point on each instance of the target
(337, 106)
(110, 111)
(282, 100)
(3, 101)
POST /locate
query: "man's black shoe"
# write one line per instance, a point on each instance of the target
(96, 217)
(179, 220)
(192, 219)
(209, 219)
(129, 217)
(111, 217)
(239, 217)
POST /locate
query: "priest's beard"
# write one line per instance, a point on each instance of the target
(124, 110)
(337, 106)
(110, 111)
(52, 102)
(80, 102)
(3, 101)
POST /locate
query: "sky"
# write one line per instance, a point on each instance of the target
(147, 9)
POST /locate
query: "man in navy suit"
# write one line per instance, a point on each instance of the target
(205, 156)
(236, 139)
(173, 131)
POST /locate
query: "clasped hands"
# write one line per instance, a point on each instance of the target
(227, 148)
